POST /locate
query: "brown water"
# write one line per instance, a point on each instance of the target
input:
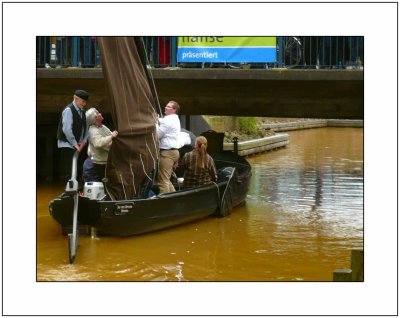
(303, 215)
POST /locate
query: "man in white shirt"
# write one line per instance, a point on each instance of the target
(168, 131)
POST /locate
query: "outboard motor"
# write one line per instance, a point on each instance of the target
(94, 190)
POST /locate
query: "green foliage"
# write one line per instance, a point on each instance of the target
(248, 125)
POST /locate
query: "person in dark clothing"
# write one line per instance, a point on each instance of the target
(72, 133)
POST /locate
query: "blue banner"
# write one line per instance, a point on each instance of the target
(227, 49)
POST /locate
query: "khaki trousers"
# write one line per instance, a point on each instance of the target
(167, 160)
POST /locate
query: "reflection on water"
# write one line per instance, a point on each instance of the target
(303, 215)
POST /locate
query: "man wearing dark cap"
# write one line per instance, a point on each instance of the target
(72, 132)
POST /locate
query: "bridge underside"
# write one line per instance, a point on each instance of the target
(311, 99)
(260, 93)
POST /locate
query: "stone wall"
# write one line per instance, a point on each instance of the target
(222, 123)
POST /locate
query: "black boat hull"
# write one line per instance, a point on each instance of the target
(131, 217)
(163, 211)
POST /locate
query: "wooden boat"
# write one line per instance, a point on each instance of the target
(142, 215)
(128, 206)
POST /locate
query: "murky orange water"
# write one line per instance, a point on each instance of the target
(303, 215)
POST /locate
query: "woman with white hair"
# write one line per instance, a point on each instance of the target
(100, 140)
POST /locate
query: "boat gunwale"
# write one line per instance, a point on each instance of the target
(167, 195)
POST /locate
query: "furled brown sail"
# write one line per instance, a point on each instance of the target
(133, 154)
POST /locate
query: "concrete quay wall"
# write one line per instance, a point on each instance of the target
(276, 141)
(345, 123)
(312, 123)
(253, 146)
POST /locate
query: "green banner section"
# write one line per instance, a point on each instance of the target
(226, 41)
(222, 49)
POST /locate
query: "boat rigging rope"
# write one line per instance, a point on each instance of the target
(151, 76)
(144, 170)
(123, 188)
(148, 148)
(155, 147)
(133, 175)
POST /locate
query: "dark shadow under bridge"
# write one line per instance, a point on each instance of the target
(307, 93)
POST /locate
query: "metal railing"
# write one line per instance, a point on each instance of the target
(303, 52)
(67, 51)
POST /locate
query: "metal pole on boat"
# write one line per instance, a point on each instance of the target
(72, 188)
(235, 147)
(93, 232)
(226, 200)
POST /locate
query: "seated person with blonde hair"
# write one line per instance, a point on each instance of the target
(199, 166)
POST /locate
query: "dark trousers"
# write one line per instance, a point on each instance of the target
(93, 172)
(100, 171)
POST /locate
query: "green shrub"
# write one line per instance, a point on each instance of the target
(248, 125)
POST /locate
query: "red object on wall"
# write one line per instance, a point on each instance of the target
(164, 50)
